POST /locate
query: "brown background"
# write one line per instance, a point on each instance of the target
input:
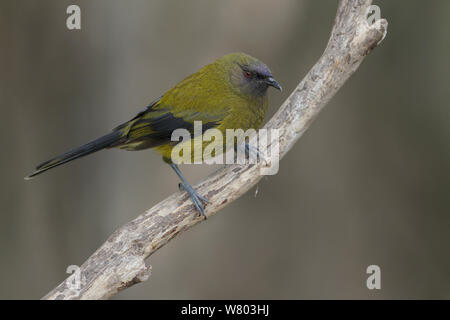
(367, 184)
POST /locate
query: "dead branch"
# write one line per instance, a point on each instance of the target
(120, 261)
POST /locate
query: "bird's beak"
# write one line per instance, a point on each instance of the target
(272, 82)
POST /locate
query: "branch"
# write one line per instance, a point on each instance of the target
(120, 262)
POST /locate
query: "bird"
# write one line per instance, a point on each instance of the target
(230, 93)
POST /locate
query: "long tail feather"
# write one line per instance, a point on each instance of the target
(93, 146)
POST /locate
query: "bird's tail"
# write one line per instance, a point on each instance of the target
(93, 146)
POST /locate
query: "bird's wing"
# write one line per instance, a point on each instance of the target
(140, 114)
(155, 124)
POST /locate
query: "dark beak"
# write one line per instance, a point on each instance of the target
(272, 82)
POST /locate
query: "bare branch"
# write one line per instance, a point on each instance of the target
(120, 261)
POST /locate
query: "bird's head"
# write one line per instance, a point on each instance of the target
(247, 74)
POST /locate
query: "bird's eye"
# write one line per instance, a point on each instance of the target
(247, 74)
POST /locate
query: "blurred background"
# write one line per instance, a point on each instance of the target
(367, 184)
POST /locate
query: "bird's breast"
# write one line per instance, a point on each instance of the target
(246, 114)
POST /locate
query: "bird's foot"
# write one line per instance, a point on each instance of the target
(195, 197)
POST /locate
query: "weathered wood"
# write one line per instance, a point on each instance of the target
(120, 261)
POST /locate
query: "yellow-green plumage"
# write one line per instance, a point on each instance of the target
(208, 95)
(230, 93)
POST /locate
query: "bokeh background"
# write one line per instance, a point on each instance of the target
(367, 184)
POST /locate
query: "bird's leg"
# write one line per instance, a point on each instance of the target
(195, 197)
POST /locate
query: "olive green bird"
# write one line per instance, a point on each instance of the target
(230, 93)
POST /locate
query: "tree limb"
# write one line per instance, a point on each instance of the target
(120, 261)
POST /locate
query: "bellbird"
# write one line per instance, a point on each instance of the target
(230, 93)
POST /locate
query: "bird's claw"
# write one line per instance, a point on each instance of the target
(195, 197)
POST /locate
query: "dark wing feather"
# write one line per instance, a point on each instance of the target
(154, 126)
